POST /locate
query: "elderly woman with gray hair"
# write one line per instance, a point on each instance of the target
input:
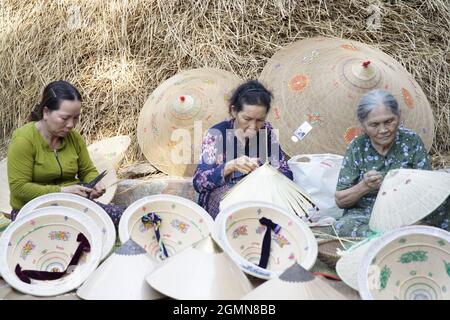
(383, 146)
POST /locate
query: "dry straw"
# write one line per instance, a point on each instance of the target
(117, 52)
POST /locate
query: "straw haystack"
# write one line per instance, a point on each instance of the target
(117, 52)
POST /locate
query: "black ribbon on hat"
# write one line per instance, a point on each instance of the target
(265, 250)
(27, 275)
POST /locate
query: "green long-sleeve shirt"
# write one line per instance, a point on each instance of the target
(34, 169)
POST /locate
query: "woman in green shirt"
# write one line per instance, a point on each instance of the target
(47, 155)
(383, 146)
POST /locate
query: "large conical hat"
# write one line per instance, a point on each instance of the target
(182, 223)
(4, 187)
(296, 283)
(195, 96)
(320, 81)
(407, 196)
(113, 149)
(410, 263)
(84, 206)
(47, 240)
(269, 185)
(110, 180)
(122, 276)
(201, 272)
(240, 232)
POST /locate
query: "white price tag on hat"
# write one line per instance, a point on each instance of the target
(301, 132)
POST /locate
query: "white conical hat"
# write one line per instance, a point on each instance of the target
(121, 276)
(113, 149)
(407, 196)
(45, 240)
(4, 187)
(240, 233)
(348, 265)
(320, 80)
(183, 223)
(85, 206)
(410, 263)
(295, 283)
(201, 272)
(269, 185)
(185, 101)
(110, 180)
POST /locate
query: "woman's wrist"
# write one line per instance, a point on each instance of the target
(229, 168)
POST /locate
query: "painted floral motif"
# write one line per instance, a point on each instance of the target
(441, 243)
(291, 256)
(413, 256)
(59, 235)
(315, 118)
(280, 240)
(26, 249)
(260, 229)
(409, 101)
(384, 277)
(447, 267)
(143, 227)
(299, 82)
(180, 225)
(402, 240)
(240, 231)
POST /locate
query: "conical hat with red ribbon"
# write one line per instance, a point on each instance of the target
(320, 80)
(175, 116)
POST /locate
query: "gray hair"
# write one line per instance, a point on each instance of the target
(373, 99)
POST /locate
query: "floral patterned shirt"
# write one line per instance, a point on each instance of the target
(209, 180)
(408, 152)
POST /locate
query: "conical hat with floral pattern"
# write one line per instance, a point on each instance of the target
(320, 80)
(175, 116)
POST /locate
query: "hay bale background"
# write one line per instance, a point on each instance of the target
(117, 52)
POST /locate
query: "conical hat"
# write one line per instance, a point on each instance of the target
(83, 205)
(45, 240)
(110, 180)
(183, 223)
(113, 149)
(320, 81)
(407, 196)
(4, 187)
(121, 276)
(348, 265)
(201, 272)
(199, 95)
(240, 234)
(410, 263)
(295, 283)
(269, 185)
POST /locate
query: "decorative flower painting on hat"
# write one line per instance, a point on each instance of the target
(59, 235)
(181, 226)
(240, 231)
(280, 240)
(413, 256)
(26, 249)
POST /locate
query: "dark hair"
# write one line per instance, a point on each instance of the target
(54, 93)
(251, 92)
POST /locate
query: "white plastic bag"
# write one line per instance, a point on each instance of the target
(317, 174)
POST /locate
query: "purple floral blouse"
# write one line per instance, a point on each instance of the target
(209, 180)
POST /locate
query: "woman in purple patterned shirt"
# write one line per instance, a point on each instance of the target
(233, 148)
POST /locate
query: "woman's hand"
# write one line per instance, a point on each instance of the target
(242, 164)
(372, 179)
(77, 189)
(98, 190)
